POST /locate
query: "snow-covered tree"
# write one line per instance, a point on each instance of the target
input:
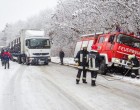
(72, 18)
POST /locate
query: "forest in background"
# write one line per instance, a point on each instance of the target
(72, 18)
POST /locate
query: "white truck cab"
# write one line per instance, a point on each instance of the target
(34, 47)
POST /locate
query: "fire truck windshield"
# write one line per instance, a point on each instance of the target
(128, 40)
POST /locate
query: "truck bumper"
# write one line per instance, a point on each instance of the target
(39, 60)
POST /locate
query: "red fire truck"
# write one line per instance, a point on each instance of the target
(113, 49)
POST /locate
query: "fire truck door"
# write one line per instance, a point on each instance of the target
(110, 43)
(100, 43)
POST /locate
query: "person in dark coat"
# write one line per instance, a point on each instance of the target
(2, 60)
(94, 63)
(61, 55)
(6, 57)
(123, 70)
(82, 60)
(135, 63)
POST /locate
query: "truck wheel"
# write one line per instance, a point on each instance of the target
(27, 61)
(19, 60)
(23, 59)
(46, 63)
(103, 68)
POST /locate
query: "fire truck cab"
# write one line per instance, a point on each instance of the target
(114, 49)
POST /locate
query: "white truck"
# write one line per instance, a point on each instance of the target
(31, 47)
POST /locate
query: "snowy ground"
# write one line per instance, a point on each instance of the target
(70, 61)
(67, 61)
(53, 87)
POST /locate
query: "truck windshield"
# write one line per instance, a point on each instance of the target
(129, 41)
(39, 43)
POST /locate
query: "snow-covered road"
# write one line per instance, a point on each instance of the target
(53, 88)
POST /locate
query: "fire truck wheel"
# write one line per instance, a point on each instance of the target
(133, 75)
(103, 70)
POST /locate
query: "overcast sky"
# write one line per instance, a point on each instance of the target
(15, 10)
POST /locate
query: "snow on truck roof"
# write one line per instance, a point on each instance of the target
(34, 33)
(93, 34)
(101, 33)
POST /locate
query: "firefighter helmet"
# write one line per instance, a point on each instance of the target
(131, 56)
(84, 46)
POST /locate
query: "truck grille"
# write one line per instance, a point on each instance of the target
(40, 53)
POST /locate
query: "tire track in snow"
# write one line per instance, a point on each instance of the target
(73, 99)
(11, 99)
(122, 93)
(119, 91)
(110, 87)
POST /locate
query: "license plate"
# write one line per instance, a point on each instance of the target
(41, 62)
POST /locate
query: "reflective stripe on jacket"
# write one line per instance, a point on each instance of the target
(82, 58)
(94, 61)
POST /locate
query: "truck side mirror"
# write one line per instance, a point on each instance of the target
(26, 43)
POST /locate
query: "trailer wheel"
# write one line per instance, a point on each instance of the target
(103, 68)
(19, 59)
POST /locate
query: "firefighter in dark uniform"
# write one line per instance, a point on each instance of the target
(94, 62)
(135, 66)
(82, 60)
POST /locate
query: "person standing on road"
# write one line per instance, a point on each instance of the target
(82, 60)
(61, 55)
(135, 66)
(6, 57)
(123, 70)
(94, 63)
(2, 60)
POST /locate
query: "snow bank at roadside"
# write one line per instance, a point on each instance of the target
(67, 61)
(129, 79)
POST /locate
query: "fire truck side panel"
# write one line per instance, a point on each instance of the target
(90, 43)
(77, 47)
(124, 49)
(84, 41)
